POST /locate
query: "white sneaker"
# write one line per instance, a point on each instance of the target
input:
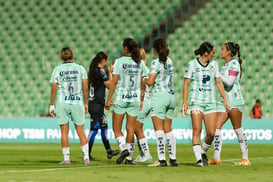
(161, 163)
(144, 158)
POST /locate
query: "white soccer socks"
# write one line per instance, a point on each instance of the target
(197, 151)
(144, 146)
(243, 142)
(85, 152)
(121, 143)
(131, 148)
(171, 145)
(66, 153)
(217, 144)
(160, 142)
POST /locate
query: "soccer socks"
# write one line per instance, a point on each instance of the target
(205, 148)
(141, 153)
(197, 151)
(91, 139)
(105, 138)
(171, 145)
(85, 151)
(243, 142)
(144, 147)
(160, 141)
(217, 144)
(66, 153)
(131, 148)
(121, 143)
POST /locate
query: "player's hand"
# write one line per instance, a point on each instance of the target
(85, 108)
(141, 105)
(226, 105)
(184, 109)
(108, 104)
(52, 110)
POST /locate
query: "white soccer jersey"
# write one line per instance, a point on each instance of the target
(68, 77)
(129, 82)
(202, 87)
(234, 96)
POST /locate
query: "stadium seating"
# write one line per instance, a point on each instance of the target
(245, 22)
(33, 33)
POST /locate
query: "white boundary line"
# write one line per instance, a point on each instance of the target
(105, 166)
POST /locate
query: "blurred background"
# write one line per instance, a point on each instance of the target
(33, 32)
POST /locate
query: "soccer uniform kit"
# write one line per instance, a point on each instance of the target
(163, 99)
(69, 97)
(202, 87)
(97, 100)
(128, 89)
(234, 95)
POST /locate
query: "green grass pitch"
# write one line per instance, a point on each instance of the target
(39, 162)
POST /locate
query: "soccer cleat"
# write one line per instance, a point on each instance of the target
(173, 162)
(244, 162)
(129, 162)
(112, 153)
(143, 159)
(205, 160)
(93, 159)
(199, 163)
(86, 161)
(160, 163)
(122, 156)
(65, 162)
(213, 161)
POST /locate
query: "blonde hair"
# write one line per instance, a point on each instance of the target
(142, 54)
(67, 54)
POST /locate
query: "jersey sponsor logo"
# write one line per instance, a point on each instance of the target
(72, 97)
(69, 78)
(127, 65)
(129, 96)
(204, 89)
(205, 79)
(62, 73)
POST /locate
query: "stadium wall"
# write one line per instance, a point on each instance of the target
(46, 130)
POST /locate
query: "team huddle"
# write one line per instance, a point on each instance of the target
(136, 91)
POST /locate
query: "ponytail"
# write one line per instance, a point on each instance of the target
(235, 49)
(237, 46)
(133, 48)
(204, 47)
(162, 49)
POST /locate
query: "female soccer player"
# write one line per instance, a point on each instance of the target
(201, 74)
(69, 83)
(98, 80)
(231, 73)
(144, 112)
(162, 101)
(128, 74)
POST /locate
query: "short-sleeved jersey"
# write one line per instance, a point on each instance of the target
(68, 77)
(165, 76)
(129, 82)
(202, 87)
(234, 96)
(97, 92)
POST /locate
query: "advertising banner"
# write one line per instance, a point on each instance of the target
(40, 130)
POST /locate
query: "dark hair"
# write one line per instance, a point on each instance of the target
(162, 49)
(235, 49)
(204, 47)
(133, 48)
(67, 53)
(258, 101)
(93, 69)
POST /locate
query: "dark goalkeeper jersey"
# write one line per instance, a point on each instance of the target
(97, 93)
